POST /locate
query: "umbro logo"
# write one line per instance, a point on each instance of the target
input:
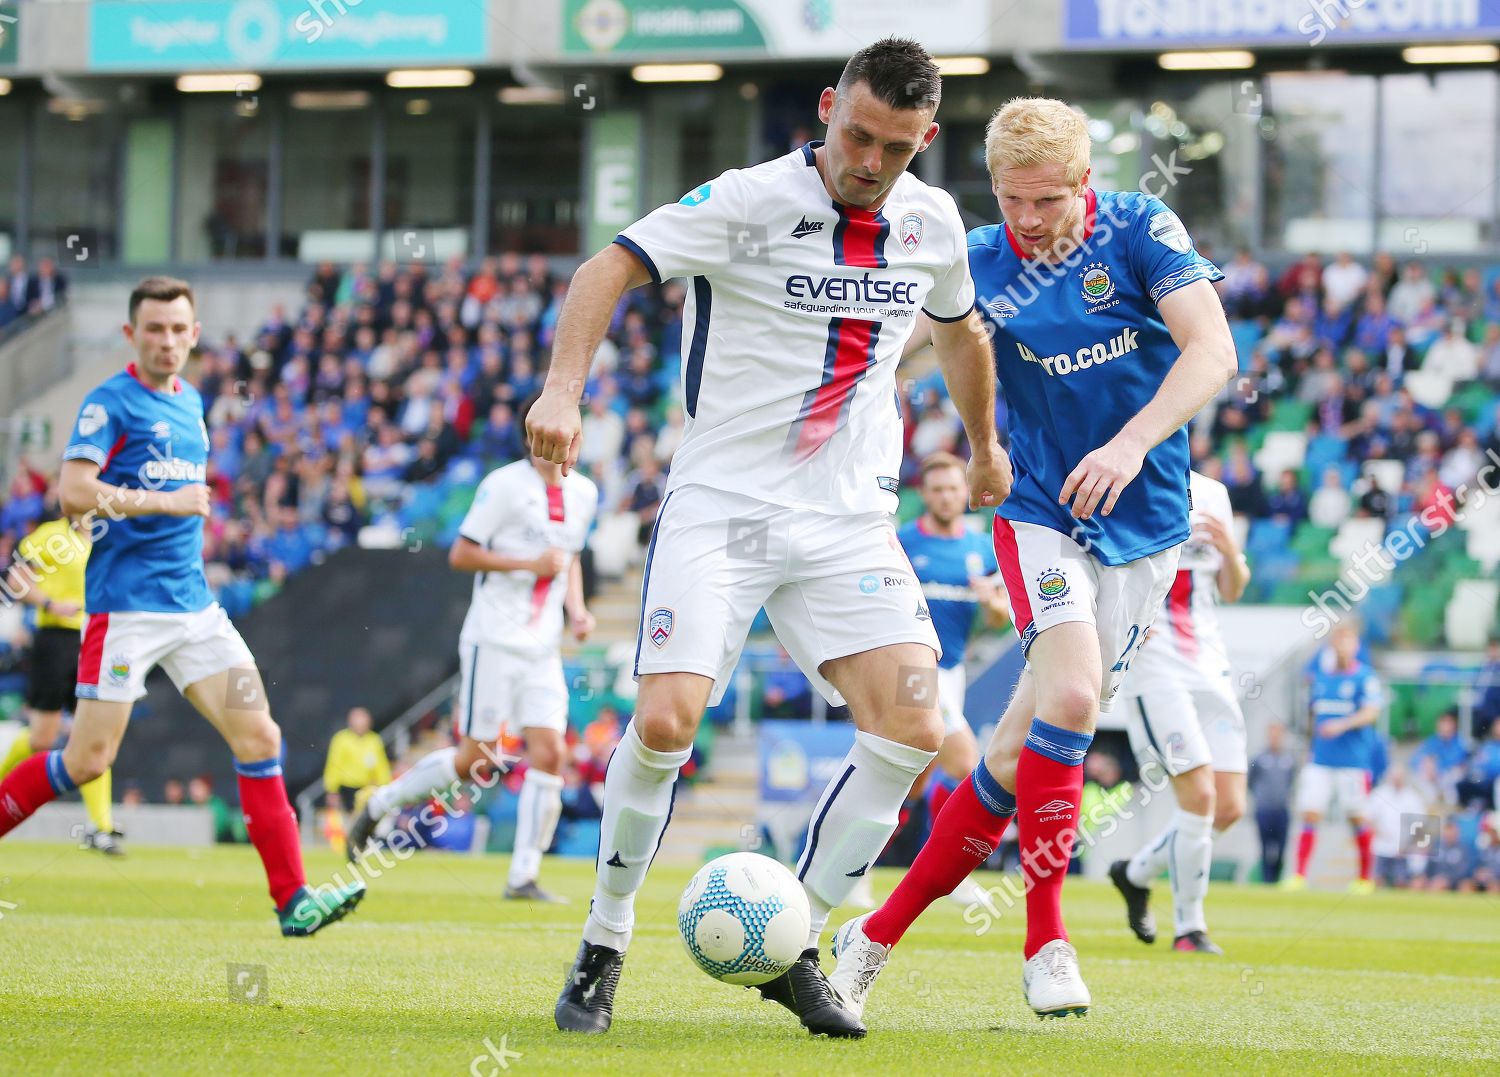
(1054, 806)
(980, 848)
(806, 227)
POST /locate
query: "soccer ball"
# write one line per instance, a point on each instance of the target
(744, 918)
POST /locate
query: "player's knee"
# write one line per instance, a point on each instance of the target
(663, 729)
(85, 763)
(1227, 812)
(261, 741)
(1072, 705)
(545, 757)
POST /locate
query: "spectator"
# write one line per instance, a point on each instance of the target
(1447, 751)
(1453, 864)
(228, 824)
(1372, 332)
(1487, 687)
(1393, 806)
(1482, 778)
(1343, 281)
(1452, 356)
(18, 285)
(8, 312)
(647, 488)
(786, 692)
(172, 792)
(1287, 504)
(1330, 504)
(1246, 496)
(1272, 774)
(1412, 294)
(1303, 278)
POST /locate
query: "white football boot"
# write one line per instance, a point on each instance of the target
(1053, 986)
(859, 962)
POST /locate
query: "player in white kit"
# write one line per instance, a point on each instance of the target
(1184, 718)
(806, 277)
(521, 537)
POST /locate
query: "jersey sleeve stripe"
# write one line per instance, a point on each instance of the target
(640, 252)
(86, 452)
(1172, 281)
(955, 318)
(847, 358)
(703, 305)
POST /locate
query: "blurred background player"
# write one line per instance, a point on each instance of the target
(957, 570)
(1346, 700)
(521, 538)
(134, 472)
(1273, 776)
(50, 579)
(1108, 337)
(781, 489)
(1184, 717)
(356, 761)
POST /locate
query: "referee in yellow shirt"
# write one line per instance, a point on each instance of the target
(48, 574)
(356, 760)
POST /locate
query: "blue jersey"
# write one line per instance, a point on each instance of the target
(1337, 694)
(144, 440)
(944, 567)
(1080, 349)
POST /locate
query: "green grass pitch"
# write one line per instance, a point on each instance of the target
(125, 967)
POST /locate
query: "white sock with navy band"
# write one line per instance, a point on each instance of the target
(1190, 856)
(854, 819)
(536, 822)
(640, 786)
(1150, 860)
(434, 773)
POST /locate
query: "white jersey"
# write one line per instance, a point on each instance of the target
(795, 319)
(516, 514)
(1186, 645)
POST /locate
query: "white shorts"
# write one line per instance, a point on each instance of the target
(1182, 728)
(831, 585)
(953, 685)
(1050, 579)
(119, 649)
(1322, 789)
(500, 688)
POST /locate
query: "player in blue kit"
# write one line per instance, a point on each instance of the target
(1108, 337)
(1346, 699)
(133, 470)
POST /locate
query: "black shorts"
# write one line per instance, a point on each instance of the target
(54, 669)
(346, 794)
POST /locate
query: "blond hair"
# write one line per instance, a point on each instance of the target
(1030, 131)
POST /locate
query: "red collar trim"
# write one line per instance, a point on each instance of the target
(136, 374)
(1090, 213)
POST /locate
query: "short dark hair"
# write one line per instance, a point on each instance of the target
(898, 70)
(165, 289)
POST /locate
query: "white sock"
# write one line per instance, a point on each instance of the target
(1150, 860)
(536, 823)
(1191, 850)
(639, 788)
(855, 817)
(430, 775)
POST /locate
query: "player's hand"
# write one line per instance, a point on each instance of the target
(1211, 529)
(582, 622)
(990, 477)
(64, 609)
(1331, 728)
(189, 500)
(551, 563)
(1100, 478)
(554, 428)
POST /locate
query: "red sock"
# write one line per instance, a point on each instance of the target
(963, 835)
(35, 780)
(1049, 787)
(272, 826)
(1305, 843)
(937, 796)
(1362, 840)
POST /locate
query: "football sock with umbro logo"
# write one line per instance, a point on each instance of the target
(1049, 788)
